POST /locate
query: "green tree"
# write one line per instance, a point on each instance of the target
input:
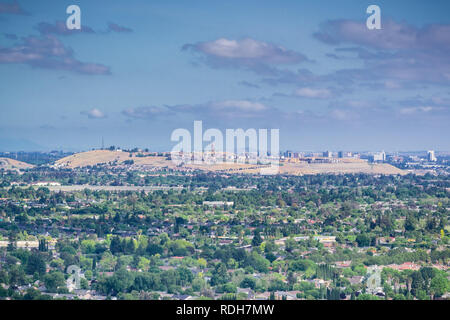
(439, 285)
(257, 240)
(35, 264)
(219, 275)
(54, 281)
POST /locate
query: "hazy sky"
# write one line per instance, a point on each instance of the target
(139, 69)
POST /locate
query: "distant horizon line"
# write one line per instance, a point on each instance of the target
(80, 150)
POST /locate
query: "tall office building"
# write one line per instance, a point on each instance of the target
(431, 157)
(328, 154)
(344, 154)
(380, 156)
(289, 154)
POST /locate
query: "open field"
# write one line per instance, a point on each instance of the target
(339, 168)
(9, 164)
(97, 157)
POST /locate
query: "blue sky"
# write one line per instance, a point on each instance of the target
(140, 69)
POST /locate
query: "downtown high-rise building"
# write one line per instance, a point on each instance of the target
(431, 156)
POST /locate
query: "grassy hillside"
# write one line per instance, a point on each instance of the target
(98, 157)
(9, 164)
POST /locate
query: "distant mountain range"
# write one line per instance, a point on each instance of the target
(14, 145)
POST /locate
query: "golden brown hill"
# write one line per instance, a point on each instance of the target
(340, 168)
(11, 164)
(98, 157)
(91, 158)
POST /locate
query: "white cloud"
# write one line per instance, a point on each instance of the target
(243, 105)
(340, 114)
(313, 93)
(247, 53)
(245, 49)
(94, 114)
(414, 110)
(145, 112)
